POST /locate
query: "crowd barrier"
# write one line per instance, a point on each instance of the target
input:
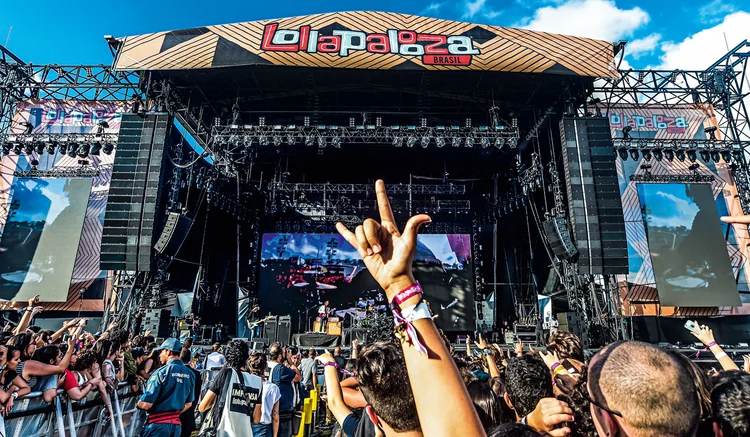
(32, 417)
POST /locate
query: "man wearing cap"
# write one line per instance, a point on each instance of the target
(168, 393)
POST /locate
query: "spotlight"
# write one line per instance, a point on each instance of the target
(290, 139)
(680, 155)
(83, 150)
(108, 148)
(456, 141)
(623, 152)
(705, 156)
(726, 155)
(39, 148)
(499, 142)
(626, 132)
(425, 141)
(485, 142)
(96, 148)
(669, 154)
(336, 142)
(17, 148)
(634, 154)
(28, 149)
(411, 141)
(658, 154)
(440, 141)
(34, 164)
(28, 127)
(647, 155)
(309, 140)
(6, 148)
(72, 150)
(263, 140)
(398, 141)
(63, 149)
(470, 141)
(51, 148)
(737, 155)
(715, 156)
(322, 142)
(694, 167)
(711, 131)
(276, 140)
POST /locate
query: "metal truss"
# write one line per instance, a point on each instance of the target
(685, 144)
(20, 81)
(725, 85)
(61, 138)
(235, 136)
(346, 206)
(671, 178)
(60, 172)
(367, 189)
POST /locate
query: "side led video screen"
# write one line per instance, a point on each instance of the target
(687, 246)
(300, 270)
(41, 236)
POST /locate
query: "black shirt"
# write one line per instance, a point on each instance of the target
(188, 417)
(340, 361)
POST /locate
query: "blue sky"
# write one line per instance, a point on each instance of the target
(670, 34)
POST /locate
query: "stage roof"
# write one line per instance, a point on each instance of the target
(368, 40)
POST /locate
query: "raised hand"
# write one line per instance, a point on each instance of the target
(34, 300)
(549, 358)
(737, 219)
(482, 344)
(746, 363)
(704, 334)
(387, 253)
(548, 415)
(519, 348)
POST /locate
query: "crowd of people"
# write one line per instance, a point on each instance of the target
(415, 384)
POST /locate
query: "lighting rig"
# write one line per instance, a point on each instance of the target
(531, 177)
(681, 150)
(73, 145)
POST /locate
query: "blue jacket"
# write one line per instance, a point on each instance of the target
(283, 376)
(170, 388)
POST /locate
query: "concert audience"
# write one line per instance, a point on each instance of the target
(284, 374)
(730, 400)
(215, 360)
(269, 423)
(187, 418)
(309, 369)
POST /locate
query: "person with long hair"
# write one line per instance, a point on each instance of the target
(238, 420)
(269, 422)
(487, 404)
(76, 387)
(12, 386)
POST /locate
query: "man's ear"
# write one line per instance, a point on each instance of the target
(372, 415)
(606, 421)
(717, 430)
(507, 401)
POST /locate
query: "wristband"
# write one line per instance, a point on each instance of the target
(720, 355)
(407, 293)
(555, 365)
(487, 352)
(558, 370)
(713, 343)
(416, 312)
(331, 363)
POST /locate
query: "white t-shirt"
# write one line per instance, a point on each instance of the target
(322, 311)
(271, 395)
(237, 418)
(215, 360)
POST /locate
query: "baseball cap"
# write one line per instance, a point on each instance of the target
(171, 344)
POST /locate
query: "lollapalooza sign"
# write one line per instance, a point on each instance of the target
(433, 49)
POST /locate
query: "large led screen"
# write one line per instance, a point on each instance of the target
(41, 236)
(687, 246)
(300, 270)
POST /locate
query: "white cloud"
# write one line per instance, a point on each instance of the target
(432, 8)
(715, 11)
(700, 50)
(643, 46)
(600, 19)
(479, 8)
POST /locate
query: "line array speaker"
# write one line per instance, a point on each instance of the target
(593, 192)
(134, 193)
(556, 230)
(173, 234)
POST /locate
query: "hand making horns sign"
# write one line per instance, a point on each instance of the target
(387, 253)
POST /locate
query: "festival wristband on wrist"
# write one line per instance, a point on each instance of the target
(720, 355)
(713, 343)
(407, 293)
(416, 312)
(332, 364)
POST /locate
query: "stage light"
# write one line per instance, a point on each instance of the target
(737, 155)
(456, 141)
(6, 148)
(634, 154)
(72, 150)
(694, 167)
(17, 148)
(680, 155)
(623, 152)
(658, 154)
(711, 131)
(669, 154)
(83, 150)
(51, 147)
(336, 142)
(28, 127)
(322, 141)
(263, 140)
(726, 155)
(28, 149)
(96, 148)
(470, 141)
(705, 156)
(398, 141)
(425, 141)
(290, 139)
(34, 164)
(440, 141)
(485, 142)
(39, 148)
(411, 141)
(647, 155)
(276, 140)
(692, 155)
(499, 142)
(309, 140)
(108, 148)
(715, 156)
(626, 132)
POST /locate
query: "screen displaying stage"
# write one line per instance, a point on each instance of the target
(300, 270)
(41, 236)
(688, 249)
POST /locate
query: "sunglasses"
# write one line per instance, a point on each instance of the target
(600, 406)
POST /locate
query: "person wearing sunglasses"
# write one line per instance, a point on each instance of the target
(637, 389)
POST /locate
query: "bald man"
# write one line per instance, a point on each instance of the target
(640, 390)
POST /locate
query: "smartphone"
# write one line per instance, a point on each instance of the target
(66, 337)
(692, 326)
